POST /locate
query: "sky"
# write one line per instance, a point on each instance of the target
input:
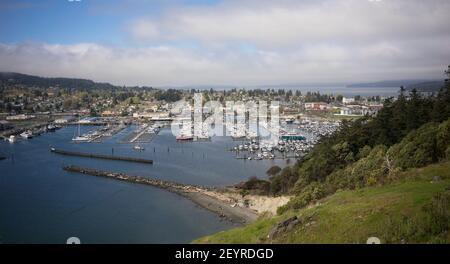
(232, 42)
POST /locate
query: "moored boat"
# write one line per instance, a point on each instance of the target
(184, 138)
(137, 147)
(80, 138)
(27, 134)
(12, 139)
(51, 128)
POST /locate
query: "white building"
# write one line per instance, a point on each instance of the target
(316, 106)
(163, 116)
(348, 100)
(64, 120)
(359, 110)
(19, 117)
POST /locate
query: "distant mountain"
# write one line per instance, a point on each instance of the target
(43, 82)
(420, 85)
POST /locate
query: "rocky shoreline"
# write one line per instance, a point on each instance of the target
(205, 197)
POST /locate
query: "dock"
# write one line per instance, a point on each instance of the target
(139, 134)
(100, 156)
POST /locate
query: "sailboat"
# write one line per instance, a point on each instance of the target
(78, 137)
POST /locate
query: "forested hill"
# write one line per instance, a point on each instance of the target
(36, 81)
(385, 176)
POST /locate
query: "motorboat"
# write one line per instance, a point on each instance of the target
(80, 138)
(12, 139)
(184, 137)
(51, 128)
(27, 134)
(137, 147)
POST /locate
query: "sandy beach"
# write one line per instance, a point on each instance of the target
(230, 204)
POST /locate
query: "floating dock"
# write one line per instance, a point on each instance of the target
(100, 156)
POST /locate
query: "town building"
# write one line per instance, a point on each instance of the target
(20, 117)
(316, 106)
(348, 100)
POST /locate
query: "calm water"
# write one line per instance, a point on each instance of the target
(41, 203)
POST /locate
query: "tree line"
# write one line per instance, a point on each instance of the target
(411, 131)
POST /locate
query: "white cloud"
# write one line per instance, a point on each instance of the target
(295, 23)
(144, 29)
(165, 65)
(256, 42)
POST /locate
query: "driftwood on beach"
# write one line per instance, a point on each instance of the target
(197, 194)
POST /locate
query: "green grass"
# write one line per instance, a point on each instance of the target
(394, 213)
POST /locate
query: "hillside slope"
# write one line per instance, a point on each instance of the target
(415, 209)
(37, 81)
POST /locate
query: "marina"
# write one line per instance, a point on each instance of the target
(295, 140)
(33, 168)
(144, 133)
(224, 122)
(190, 165)
(99, 134)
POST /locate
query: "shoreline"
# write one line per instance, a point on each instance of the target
(208, 198)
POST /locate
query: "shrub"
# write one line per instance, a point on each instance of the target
(443, 140)
(272, 171)
(284, 181)
(430, 225)
(310, 193)
(417, 149)
(254, 185)
(366, 171)
(364, 152)
(438, 211)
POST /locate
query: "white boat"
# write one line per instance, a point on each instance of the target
(80, 138)
(27, 134)
(12, 139)
(51, 128)
(137, 147)
(184, 137)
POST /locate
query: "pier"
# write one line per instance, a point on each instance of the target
(100, 156)
(197, 194)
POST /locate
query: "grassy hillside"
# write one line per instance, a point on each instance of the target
(414, 209)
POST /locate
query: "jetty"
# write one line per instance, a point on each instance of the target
(100, 156)
(200, 195)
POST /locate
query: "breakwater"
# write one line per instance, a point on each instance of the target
(100, 156)
(168, 185)
(201, 195)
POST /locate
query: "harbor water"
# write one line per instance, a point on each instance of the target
(41, 203)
